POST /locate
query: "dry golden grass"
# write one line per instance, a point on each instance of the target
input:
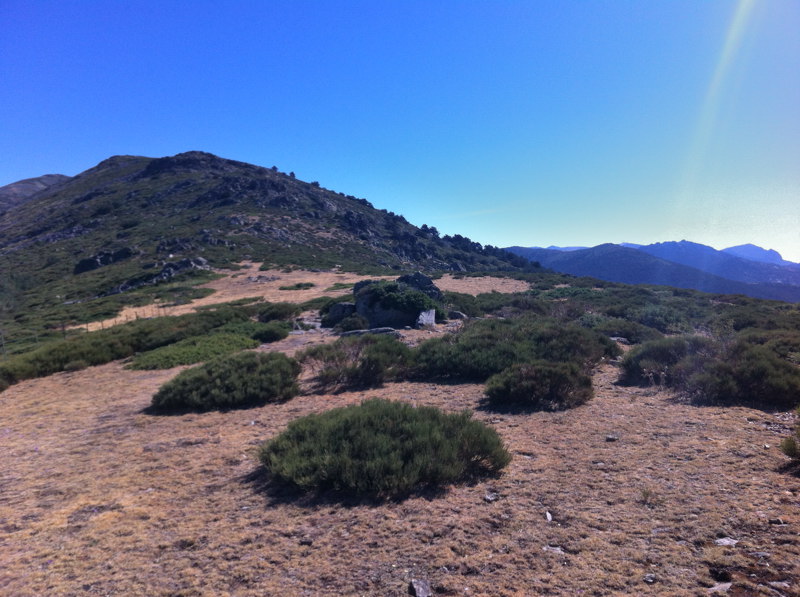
(99, 498)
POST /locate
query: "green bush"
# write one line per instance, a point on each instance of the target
(663, 355)
(540, 385)
(791, 445)
(238, 381)
(192, 350)
(277, 311)
(486, 347)
(395, 295)
(298, 286)
(358, 361)
(271, 332)
(352, 322)
(632, 331)
(709, 371)
(749, 375)
(114, 343)
(383, 449)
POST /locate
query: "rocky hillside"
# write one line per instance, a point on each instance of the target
(134, 220)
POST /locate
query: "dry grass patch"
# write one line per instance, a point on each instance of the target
(97, 497)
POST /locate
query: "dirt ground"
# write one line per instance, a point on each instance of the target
(252, 282)
(634, 493)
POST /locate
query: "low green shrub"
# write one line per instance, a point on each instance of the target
(748, 375)
(540, 385)
(192, 350)
(383, 449)
(709, 371)
(277, 311)
(114, 343)
(632, 331)
(641, 363)
(358, 361)
(298, 286)
(238, 381)
(271, 332)
(352, 322)
(486, 347)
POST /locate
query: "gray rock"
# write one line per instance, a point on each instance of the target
(612, 437)
(726, 542)
(426, 318)
(419, 588)
(457, 315)
(384, 330)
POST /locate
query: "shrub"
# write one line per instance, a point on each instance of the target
(663, 355)
(273, 311)
(238, 381)
(617, 327)
(192, 350)
(746, 374)
(540, 385)
(383, 449)
(298, 286)
(486, 347)
(352, 322)
(791, 445)
(704, 370)
(271, 332)
(358, 361)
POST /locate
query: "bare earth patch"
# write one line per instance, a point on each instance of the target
(266, 285)
(625, 495)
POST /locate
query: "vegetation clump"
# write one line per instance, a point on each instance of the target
(487, 347)
(192, 350)
(239, 381)
(539, 385)
(383, 449)
(723, 372)
(358, 361)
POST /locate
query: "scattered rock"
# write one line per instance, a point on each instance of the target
(650, 579)
(306, 541)
(779, 584)
(457, 315)
(722, 587)
(387, 330)
(548, 516)
(612, 437)
(726, 542)
(426, 318)
(553, 549)
(419, 588)
(491, 496)
(777, 521)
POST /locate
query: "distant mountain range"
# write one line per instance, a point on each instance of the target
(744, 269)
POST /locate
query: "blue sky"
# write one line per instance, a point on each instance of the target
(513, 123)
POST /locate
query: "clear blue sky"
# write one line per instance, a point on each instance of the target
(513, 123)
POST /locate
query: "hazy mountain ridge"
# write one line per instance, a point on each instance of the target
(724, 264)
(18, 192)
(635, 266)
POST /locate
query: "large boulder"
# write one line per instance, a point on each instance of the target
(421, 282)
(393, 304)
